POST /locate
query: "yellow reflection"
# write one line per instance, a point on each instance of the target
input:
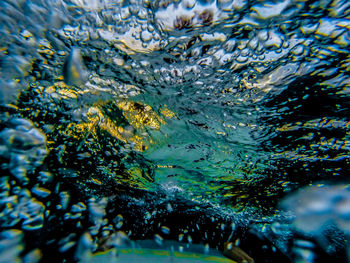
(167, 113)
(140, 115)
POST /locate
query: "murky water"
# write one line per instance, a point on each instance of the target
(169, 120)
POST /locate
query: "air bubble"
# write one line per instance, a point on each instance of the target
(142, 14)
(64, 200)
(222, 4)
(181, 237)
(118, 221)
(240, 4)
(189, 239)
(189, 3)
(125, 13)
(40, 191)
(242, 59)
(146, 36)
(158, 239)
(45, 177)
(165, 230)
(78, 208)
(298, 50)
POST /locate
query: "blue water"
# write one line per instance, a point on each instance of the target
(117, 116)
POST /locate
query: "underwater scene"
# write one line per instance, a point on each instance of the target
(175, 131)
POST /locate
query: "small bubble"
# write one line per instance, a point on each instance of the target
(158, 239)
(40, 191)
(233, 226)
(188, 3)
(125, 13)
(181, 237)
(79, 207)
(148, 216)
(118, 220)
(263, 35)
(189, 239)
(206, 248)
(298, 50)
(66, 246)
(45, 177)
(142, 14)
(150, 28)
(33, 256)
(105, 233)
(169, 208)
(224, 3)
(64, 199)
(33, 223)
(229, 246)
(165, 230)
(242, 59)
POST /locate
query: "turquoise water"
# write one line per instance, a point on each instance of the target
(121, 116)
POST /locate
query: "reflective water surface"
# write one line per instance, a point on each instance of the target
(187, 121)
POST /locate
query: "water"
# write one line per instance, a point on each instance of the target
(129, 118)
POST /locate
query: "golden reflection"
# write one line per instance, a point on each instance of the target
(167, 113)
(140, 116)
(138, 178)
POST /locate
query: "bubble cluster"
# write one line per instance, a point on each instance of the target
(225, 104)
(316, 208)
(11, 248)
(24, 210)
(320, 218)
(23, 146)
